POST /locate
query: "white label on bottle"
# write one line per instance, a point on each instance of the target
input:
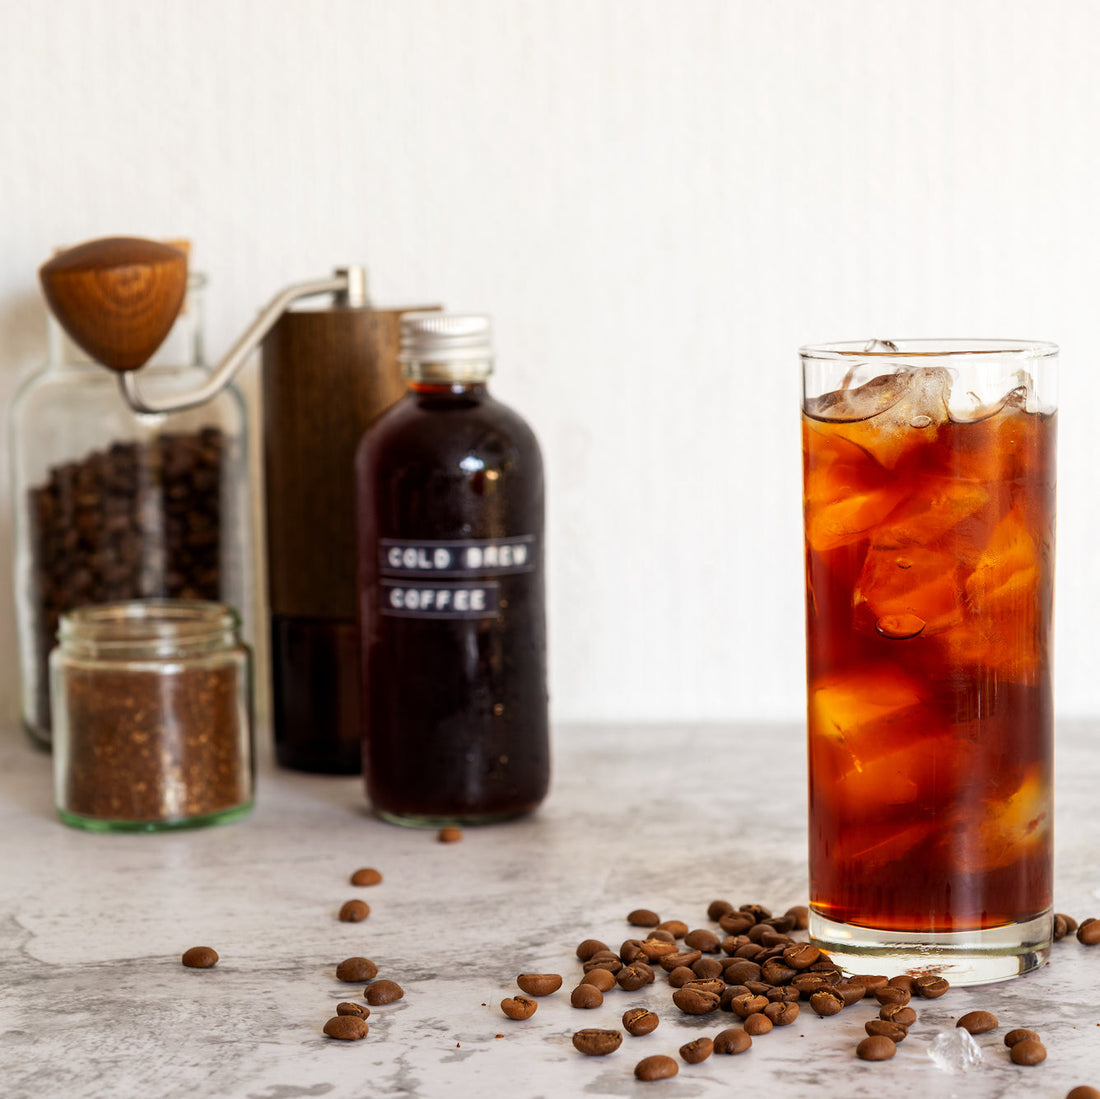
(423, 599)
(481, 557)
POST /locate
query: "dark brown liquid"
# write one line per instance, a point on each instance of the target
(315, 694)
(455, 709)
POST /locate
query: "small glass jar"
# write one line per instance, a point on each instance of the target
(152, 716)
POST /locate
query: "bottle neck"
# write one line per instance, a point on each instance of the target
(448, 389)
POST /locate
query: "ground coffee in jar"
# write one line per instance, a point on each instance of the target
(152, 714)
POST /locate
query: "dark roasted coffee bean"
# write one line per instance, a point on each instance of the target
(597, 1043)
(348, 1028)
(731, 993)
(655, 949)
(696, 1051)
(801, 955)
(694, 1001)
(758, 988)
(681, 976)
(894, 1031)
(1028, 1052)
(736, 923)
(539, 984)
(978, 1022)
(892, 995)
(643, 917)
(706, 968)
(717, 909)
(824, 964)
(807, 983)
(657, 1067)
(347, 1008)
(586, 996)
(732, 1040)
(630, 950)
(588, 947)
(876, 1047)
(783, 924)
(732, 942)
(1083, 1091)
(801, 916)
(669, 962)
(783, 994)
(827, 1001)
(902, 980)
(757, 911)
(777, 972)
(930, 986)
(383, 992)
(599, 978)
(782, 1014)
(200, 957)
(356, 970)
(752, 951)
(664, 936)
(1089, 932)
(632, 977)
(598, 961)
(736, 970)
(1068, 921)
(676, 928)
(869, 982)
(898, 1013)
(518, 1007)
(354, 911)
(748, 1004)
(702, 939)
(708, 984)
(757, 1024)
(758, 933)
(640, 1020)
(851, 993)
(366, 876)
(1020, 1034)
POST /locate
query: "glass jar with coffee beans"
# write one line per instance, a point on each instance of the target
(110, 505)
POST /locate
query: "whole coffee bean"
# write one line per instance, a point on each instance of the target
(665, 936)
(518, 1007)
(731, 943)
(777, 972)
(892, 995)
(902, 980)
(930, 986)
(769, 938)
(827, 1001)
(539, 984)
(450, 834)
(717, 909)
(681, 976)
(706, 968)
(708, 984)
(702, 939)
(757, 911)
(978, 1022)
(759, 932)
(586, 996)
(752, 951)
(801, 916)
(640, 1020)
(758, 988)
(1020, 1034)
(782, 924)
(782, 1013)
(851, 993)
(657, 1067)
(347, 1028)
(1028, 1052)
(757, 1024)
(598, 961)
(366, 876)
(725, 1001)
(1068, 923)
(631, 949)
(356, 970)
(868, 981)
(354, 911)
(677, 929)
(894, 1031)
(736, 923)
(748, 1005)
(632, 977)
(588, 947)
(898, 1013)
(383, 992)
(601, 979)
(738, 970)
(825, 965)
(808, 983)
(698, 1050)
(694, 1001)
(1089, 932)
(732, 1040)
(1083, 1091)
(801, 955)
(597, 1043)
(200, 957)
(876, 1047)
(347, 1008)
(669, 962)
(643, 917)
(783, 994)
(654, 949)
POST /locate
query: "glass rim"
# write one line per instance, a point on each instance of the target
(155, 622)
(926, 348)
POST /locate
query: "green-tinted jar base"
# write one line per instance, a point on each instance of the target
(458, 820)
(93, 824)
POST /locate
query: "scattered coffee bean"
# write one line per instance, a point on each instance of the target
(366, 876)
(639, 1021)
(749, 1004)
(1083, 1091)
(851, 993)
(801, 916)
(603, 959)
(657, 1067)
(678, 929)
(383, 992)
(801, 955)
(758, 988)
(707, 968)
(717, 909)
(601, 979)
(736, 923)
(758, 1024)
(518, 1007)
(738, 970)
(978, 1022)
(450, 834)
(588, 947)
(902, 980)
(1020, 1034)
(1063, 925)
(868, 981)
(783, 923)
(732, 1040)
(1028, 1052)
(892, 995)
(654, 949)
(827, 1001)
(708, 984)
(894, 1031)
(698, 1050)
(632, 977)
(782, 1014)
(660, 933)
(586, 996)
(757, 911)
(777, 972)
(348, 1028)
(631, 949)
(669, 962)
(930, 986)
(681, 976)
(876, 1047)
(200, 957)
(898, 1013)
(597, 1043)
(643, 917)
(702, 939)
(807, 982)
(783, 994)
(540, 984)
(1089, 932)
(347, 1008)
(694, 1001)
(354, 911)
(356, 970)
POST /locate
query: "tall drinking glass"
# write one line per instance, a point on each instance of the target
(928, 492)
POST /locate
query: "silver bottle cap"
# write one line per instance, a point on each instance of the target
(446, 347)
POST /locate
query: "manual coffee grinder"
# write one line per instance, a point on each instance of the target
(326, 372)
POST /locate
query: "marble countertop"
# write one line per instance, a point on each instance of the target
(95, 1003)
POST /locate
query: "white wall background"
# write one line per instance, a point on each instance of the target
(657, 200)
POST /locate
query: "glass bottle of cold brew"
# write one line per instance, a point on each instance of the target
(451, 590)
